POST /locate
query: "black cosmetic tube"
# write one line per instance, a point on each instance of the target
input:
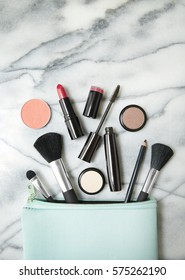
(112, 160)
(71, 120)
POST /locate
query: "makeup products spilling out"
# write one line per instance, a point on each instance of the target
(112, 160)
(70, 117)
(35, 113)
(94, 138)
(93, 102)
(49, 146)
(159, 157)
(36, 182)
(91, 181)
(133, 118)
(136, 170)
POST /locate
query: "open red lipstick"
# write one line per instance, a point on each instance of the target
(61, 91)
(71, 120)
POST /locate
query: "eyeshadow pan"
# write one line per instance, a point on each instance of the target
(133, 117)
(91, 181)
(35, 113)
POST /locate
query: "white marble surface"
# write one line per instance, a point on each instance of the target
(137, 44)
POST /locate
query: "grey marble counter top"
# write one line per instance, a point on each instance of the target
(137, 44)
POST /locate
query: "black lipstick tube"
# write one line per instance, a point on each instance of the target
(112, 160)
(70, 118)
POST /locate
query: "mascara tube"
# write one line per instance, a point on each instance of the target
(112, 160)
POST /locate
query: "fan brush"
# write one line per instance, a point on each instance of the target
(160, 156)
(49, 146)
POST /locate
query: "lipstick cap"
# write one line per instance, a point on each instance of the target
(93, 102)
(90, 146)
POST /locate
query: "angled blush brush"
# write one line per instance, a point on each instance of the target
(49, 146)
(160, 156)
(36, 182)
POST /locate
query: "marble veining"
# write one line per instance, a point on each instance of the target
(138, 44)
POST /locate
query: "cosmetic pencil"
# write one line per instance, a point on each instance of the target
(36, 182)
(70, 117)
(160, 155)
(94, 138)
(49, 145)
(135, 173)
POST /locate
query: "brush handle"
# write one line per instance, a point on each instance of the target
(50, 199)
(40, 187)
(63, 180)
(150, 180)
(70, 196)
(148, 184)
(142, 196)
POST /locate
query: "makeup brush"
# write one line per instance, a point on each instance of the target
(159, 157)
(49, 146)
(35, 181)
(136, 171)
(94, 138)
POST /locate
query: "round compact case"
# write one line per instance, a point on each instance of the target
(91, 181)
(133, 118)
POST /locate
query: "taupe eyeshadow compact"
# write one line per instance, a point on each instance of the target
(133, 118)
(91, 181)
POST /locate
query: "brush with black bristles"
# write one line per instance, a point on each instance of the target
(49, 146)
(36, 182)
(160, 156)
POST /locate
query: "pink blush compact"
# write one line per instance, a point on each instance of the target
(35, 113)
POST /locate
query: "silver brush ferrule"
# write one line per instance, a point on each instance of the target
(39, 186)
(150, 180)
(61, 175)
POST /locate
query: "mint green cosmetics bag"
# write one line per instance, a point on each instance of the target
(97, 231)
